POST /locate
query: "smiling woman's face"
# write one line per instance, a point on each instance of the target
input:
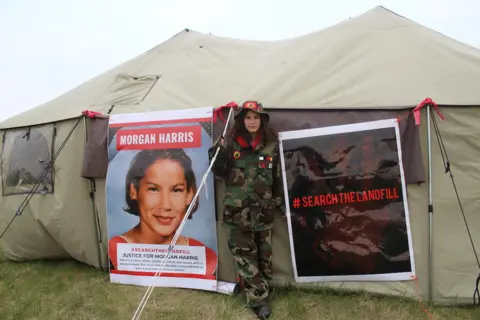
(162, 197)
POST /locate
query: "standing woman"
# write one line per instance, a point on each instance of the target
(248, 162)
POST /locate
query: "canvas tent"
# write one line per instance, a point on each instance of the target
(373, 66)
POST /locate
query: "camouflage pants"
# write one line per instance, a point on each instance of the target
(252, 253)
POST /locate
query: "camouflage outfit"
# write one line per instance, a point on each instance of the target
(254, 193)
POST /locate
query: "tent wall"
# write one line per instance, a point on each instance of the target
(63, 224)
(54, 225)
(454, 265)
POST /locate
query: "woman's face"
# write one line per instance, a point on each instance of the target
(252, 121)
(162, 197)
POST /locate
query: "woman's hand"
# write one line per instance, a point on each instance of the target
(221, 142)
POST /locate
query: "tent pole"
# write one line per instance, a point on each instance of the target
(430, 209)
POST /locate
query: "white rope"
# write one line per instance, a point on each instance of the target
(149, 291)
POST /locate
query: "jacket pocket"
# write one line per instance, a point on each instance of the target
(237, 215)
(236, 177)
(263, 187)
(235, 200)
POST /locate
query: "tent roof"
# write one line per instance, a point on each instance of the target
(376, 60)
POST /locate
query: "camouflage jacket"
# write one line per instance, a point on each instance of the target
(254, 186)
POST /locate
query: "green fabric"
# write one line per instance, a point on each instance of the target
(252, 253)
(254, 188)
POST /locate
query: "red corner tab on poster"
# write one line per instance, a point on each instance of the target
(424, 103)
(160, 138)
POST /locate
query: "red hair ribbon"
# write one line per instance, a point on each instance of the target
(425, 102)
(218, 111)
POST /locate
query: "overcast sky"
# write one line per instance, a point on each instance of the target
(51, 46)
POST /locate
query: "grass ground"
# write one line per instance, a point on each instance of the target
(69, 290)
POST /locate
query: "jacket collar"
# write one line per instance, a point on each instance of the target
(246, 141)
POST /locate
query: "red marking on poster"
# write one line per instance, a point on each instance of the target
(345, 198)
(160, 138)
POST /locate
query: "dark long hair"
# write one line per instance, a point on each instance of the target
(238, 129)
(143, 160)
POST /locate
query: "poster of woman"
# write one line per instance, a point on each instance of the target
(156, 164)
